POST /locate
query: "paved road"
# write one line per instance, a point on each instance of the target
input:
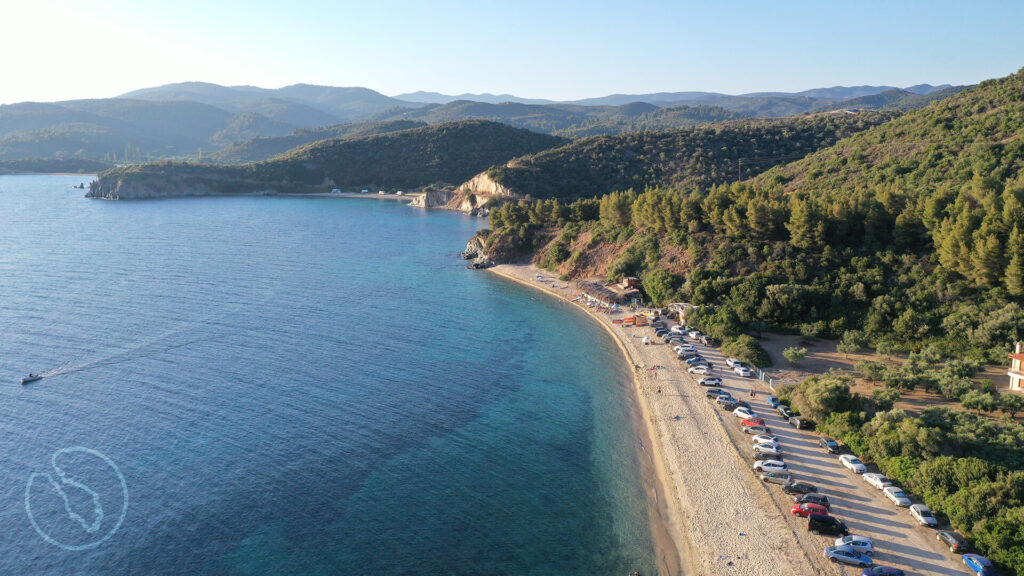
(897, 538)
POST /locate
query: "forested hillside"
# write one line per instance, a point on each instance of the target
(684, 158)
(438, 154)
(258, 149)
(911, 231)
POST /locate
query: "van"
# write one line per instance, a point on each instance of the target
(827, 525)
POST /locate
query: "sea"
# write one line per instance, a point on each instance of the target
(285, 385)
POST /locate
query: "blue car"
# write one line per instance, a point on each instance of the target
(773, 401)
(695, 359)
(979, 565)
(882, 571)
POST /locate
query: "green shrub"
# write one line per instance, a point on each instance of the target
(747, 349)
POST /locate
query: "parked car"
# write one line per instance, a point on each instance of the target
(752, 421)
(756, 430)
(800, 488)
(769, 444)
(827, 525)
(763, 451)
(712, 381)
(784, 411)
(877, 570)
(781, 478)
(696, 359)
(860, 544)
(744, 404)
(853, 463)
(742, 371)
(813, 498)
(677, 329)
(879, 481)
(773, 401)
(716, 393)
(727, 403)
(980, 565)
(799, 422)
(764, 438)
(700, 370)
(923, 515)
(847, 556)
(770, 465)
(957, 544)
(803, 510)
(732, 362)
(694, 334)
(830, 445)
(684, 348)
(742, 412)
(897, 496)
(659, 331)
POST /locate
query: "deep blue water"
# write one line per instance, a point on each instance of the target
(297, 386)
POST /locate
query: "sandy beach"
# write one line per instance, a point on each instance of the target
(718, 518)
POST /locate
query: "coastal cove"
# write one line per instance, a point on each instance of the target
(346, 394)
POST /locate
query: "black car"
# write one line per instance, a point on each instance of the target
(784, 411)
(799, 488)
(813, 498)
(744, 404)
(957, 544)
(729, 404)
(827, 525)
(829, 444)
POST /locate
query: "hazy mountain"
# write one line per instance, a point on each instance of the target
(339, 103)
(438, 98)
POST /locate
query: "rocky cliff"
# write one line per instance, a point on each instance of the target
(433, 199)
(476, 251)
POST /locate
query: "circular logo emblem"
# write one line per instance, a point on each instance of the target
(81, 503)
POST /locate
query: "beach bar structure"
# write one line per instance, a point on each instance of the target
(605, 292)
(1016, 372)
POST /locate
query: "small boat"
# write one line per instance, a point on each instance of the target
(31, 378)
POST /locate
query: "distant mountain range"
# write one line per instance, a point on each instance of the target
(193, 119)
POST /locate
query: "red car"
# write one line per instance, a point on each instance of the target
(753, 422)
(803, 510)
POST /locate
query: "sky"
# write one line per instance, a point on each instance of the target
(54, 50)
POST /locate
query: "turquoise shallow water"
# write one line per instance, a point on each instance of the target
(297, 386)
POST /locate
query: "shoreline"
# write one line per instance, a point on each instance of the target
(671, 542)
(717, 517)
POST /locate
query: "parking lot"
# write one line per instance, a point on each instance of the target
(898, 540)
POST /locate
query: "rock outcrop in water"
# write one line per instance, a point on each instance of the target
(476, 251)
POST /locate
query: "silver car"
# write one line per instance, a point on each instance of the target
(780, 478)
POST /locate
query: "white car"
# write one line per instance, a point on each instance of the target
(742, 412)
(773, 445)
(895, 493)
(701, 370)
(733, 362)
(677, 330)
(765, 439)
(712, 381)
(860, 544)
(684, 348)
(853, 463)
(879, 481)
(693, 334)
(923, 515)
(770, 466)
(742, 371)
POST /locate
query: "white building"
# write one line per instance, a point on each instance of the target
(1016, 370)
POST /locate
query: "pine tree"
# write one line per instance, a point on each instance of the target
(1014, 277)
